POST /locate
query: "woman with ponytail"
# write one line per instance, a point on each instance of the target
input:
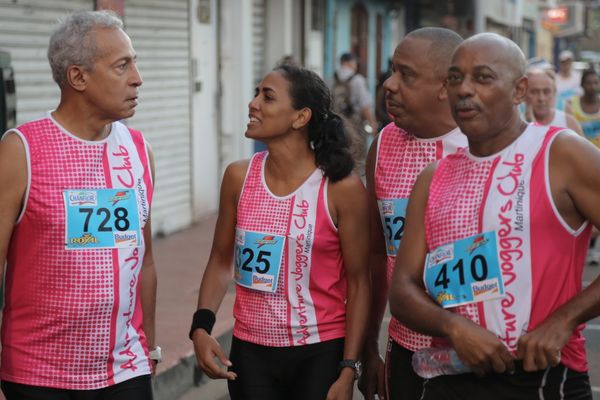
(292, 233)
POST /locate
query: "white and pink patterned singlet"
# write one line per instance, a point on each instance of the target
(541, 258)
(308, 305)
(400, 159)
(73, 317)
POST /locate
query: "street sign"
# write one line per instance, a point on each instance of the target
(566, 20)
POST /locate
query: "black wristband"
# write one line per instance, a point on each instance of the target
(203, 319)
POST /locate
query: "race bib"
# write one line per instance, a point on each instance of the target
(101, 219)
(393, 214)
(463, 272)
(258, 259)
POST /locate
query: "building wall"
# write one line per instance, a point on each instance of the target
(160, 36)
(339, 29)
(239, 47)
(204, 110)
(199, 75)
(544, 43)
(25, 29)
(517, 20)
(280, 20)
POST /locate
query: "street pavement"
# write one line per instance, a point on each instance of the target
(180, 262)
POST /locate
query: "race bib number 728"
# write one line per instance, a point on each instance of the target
(101, 218)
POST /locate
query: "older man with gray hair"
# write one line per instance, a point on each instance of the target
(75, 229)
(541, 98)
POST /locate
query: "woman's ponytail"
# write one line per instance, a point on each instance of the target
(331, 147)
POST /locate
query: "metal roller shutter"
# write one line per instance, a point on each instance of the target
(258, 40)
(160, 34)
(24, 31)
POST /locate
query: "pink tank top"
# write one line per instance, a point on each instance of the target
(73, 316)
(508, 193)
(308, 305)
(400, 159)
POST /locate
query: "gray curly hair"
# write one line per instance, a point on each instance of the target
(71, 43)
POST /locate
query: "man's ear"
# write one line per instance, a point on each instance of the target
(302, 118)
(77, 77)
(443, 92)
(520, 90)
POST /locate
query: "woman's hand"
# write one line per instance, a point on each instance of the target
(207, 349)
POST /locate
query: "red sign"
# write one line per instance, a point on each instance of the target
(558, 15)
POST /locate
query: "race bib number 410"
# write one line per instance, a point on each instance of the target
(101, 219)
(463, 272)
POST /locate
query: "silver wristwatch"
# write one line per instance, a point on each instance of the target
(354, 364)
(156, 354)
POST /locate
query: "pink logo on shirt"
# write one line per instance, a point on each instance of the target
(125, 167)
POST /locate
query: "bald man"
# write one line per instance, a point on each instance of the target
(422, 131)
(493, 251)
(540, 100)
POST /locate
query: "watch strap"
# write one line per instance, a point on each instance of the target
(156, 354)
(354, 364)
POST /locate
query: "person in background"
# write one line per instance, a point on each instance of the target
(567, 79)
(75, 203)
(290, 232)
(586, 108)
(540, 101)
(352, 101)
(487, 227)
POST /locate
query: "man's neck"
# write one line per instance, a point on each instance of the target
(81, 122)
(437, 128)
(500, 140)
(590, 103)
(544, 119)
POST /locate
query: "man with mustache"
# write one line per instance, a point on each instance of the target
(492, 258)
(422, 131)
(75, 229)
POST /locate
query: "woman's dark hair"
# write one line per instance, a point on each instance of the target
(587, 72)
(326, 132)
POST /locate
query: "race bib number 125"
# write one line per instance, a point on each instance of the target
(258, 258)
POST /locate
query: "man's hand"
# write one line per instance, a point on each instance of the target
(372, 379)
(541, 347)
(207, 349)
(343, 387)
(480, 349)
